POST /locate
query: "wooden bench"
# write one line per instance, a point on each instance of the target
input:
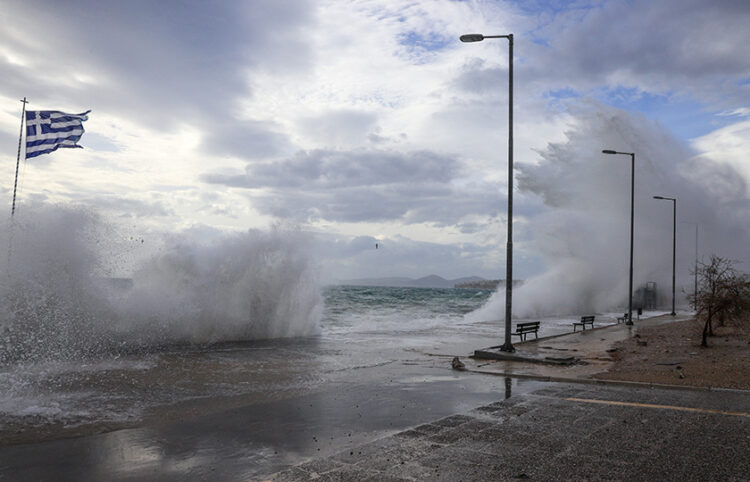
(585, 320)
(523, 329)
(622, 318)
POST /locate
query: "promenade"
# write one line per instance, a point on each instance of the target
(591, 348)
(572, 428)
(562, 432)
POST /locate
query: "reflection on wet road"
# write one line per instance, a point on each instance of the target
(262, 437)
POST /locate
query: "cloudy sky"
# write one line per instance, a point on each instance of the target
(359, 121)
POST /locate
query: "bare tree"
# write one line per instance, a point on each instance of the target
(723, 292)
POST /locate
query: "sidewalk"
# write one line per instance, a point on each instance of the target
(562, 431)
(589, 350)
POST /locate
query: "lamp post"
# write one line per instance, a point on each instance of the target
(695, 286)
(674, 241)
(695, 273)
(632, 215)
(477, 37)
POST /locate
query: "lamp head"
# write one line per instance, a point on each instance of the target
(609, 151)
(472, 37)
(659, 197)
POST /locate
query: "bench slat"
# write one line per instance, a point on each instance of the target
(522, 329)
(585, 320)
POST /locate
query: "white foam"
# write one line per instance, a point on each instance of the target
(584, 232)
(55, 306)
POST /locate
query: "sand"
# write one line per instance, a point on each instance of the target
(671, 354)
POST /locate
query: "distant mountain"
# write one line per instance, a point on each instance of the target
(431, 281)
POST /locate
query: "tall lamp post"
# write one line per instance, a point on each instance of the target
(695, 273)
(632, 213)
(477, 37)
(674, 240)
(695, 286)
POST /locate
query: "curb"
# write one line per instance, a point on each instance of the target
(625, 383)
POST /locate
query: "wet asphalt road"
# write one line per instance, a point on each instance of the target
(434, 426)
(259, 438)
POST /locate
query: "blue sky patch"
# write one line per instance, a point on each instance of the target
(687, 119)
(430, 42)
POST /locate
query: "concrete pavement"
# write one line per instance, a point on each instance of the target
(591, 349)
(562, 432)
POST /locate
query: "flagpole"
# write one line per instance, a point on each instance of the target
(18, 157)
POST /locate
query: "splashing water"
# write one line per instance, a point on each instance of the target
(584, 232)
(58, 300)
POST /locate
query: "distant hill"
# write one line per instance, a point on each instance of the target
(431, 281)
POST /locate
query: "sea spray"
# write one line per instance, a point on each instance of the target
(57, 299)
(584, 233)
(50, 303)
(246, 286)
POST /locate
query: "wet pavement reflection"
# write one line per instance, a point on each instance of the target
(261, 438)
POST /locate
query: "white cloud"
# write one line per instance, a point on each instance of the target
(728, 145)
(414, 123)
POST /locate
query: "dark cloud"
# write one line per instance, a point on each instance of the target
(159, 63)
(331, 169)
(477, 78)
(365, 185)
(246, 139)
(686, 46)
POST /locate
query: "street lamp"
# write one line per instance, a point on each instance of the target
(632, 213)
(477, 37)
(695, 273)
(674, 240)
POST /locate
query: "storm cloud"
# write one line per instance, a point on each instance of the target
(364, 185)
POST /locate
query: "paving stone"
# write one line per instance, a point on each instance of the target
(411, 471)
(452, 464)
(586, 468)
(428, 428)
(320, 466)
(410, 434)
(454, 420)
(450, 436)
(557, 439)
(346, 474)
(356, 454)
(382, 461)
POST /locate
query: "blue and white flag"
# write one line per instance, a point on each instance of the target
(46, 130)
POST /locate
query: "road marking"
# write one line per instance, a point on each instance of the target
(664, 407)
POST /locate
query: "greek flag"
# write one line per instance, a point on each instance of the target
(46, 130)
